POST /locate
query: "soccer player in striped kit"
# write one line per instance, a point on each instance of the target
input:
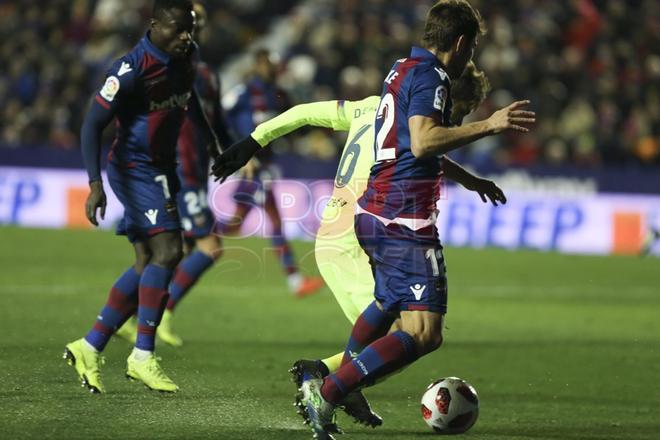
(342, 262)
(147, 92)
(202, 244)
(196, 145)
(396, 217)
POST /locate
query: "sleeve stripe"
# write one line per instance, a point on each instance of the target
(341, 109)
(104, 104)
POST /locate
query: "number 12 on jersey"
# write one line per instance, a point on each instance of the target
(386, 112)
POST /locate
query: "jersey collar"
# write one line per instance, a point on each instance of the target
(151, 48)
(420, 52)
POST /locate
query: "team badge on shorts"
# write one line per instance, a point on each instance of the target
(418, 290)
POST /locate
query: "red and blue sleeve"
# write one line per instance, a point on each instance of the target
(119, 83)
(429, 92)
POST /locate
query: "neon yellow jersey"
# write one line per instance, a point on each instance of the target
(356, 117)
(353, 170)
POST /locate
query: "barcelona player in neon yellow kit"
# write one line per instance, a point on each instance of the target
(343, 264)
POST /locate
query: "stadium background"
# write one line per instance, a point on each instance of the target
(591, 69)
(559, 346)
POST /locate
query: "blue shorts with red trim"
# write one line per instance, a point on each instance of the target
(197, 219)
(408, 266)
(148, 196)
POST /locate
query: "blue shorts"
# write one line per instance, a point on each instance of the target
(148, 196)
(197, 220)
(408, 266)
(254, 192)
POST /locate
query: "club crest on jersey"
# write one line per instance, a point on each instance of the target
(440, 98)
(110, 88)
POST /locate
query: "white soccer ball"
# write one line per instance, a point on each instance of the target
(450, 405)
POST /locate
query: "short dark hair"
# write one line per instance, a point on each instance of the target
(162, 5)
(449, 19)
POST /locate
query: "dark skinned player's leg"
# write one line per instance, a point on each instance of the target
(166, 251)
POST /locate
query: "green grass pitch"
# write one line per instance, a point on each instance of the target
(558, 347)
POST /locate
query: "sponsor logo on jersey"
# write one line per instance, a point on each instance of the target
(442, 73)
(418, 291)
(110, 88)
(173, 101)
(152, 214)
(124, 68)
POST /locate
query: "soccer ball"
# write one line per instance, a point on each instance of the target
(450, 405)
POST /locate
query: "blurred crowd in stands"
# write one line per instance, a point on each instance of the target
(590, 67)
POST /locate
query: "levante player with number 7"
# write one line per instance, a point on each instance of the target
(396, 216)
(148, 91)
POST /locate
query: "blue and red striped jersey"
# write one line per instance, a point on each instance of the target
(148, 93)
(400, 185)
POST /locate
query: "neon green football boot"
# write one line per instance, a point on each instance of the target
(150, 373)
(166, 330)
(87, 363)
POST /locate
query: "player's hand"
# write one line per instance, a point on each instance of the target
(512, 118)
(234, 158)
(487, 190)
(95, 200)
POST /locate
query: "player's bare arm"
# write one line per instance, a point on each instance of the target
(487, 189)
(430, 139)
